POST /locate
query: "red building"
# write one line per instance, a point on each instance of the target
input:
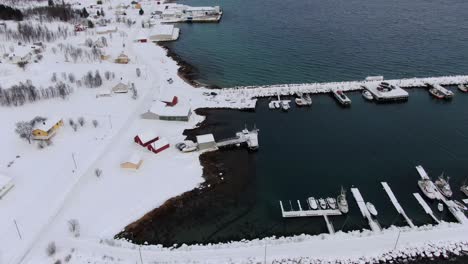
(158, 145)
(145, 139)
(170, 101)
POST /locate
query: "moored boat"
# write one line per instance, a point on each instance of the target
(341, 97)
(434, 92)
(371, 209)
(276, 104)
(312, 203)
(463, 87)
(440, 207)
(443, 186)
(440, 92)
(342, 202)
(367, 95)
(322, 203)
(285, 105)
(307, 99)
(331, 202)
(428, 188)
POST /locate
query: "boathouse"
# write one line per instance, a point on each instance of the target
(158, 145)
(146, 138)
(46, 129)
(132, 162)
(206, 141)
(6, 183)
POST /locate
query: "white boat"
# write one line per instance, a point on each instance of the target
(367, 95)
(285, 105)
(312, 203)
(276, 104)
(443, 185)
(322, 203)
(438, 91)
(299, 101)
(303, 100)
(371, 209)
(463, 87)
(440, 207)
(341, 97)
(271, 105)
(428, 188)
(331, 202)
(307, 99)
(342, 202)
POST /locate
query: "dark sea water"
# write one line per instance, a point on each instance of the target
(313, 151)
(292, 41)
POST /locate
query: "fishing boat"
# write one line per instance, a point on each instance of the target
(443, 186)
(463, 87)
(341, 97)
(371, 209)
(285, 105)
(440, 207)
(342, 202)
(331, 203)
(436, 93)
(322, 203)
(312, 203)
(367, 95)
(428, 188)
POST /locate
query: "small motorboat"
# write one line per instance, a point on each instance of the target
(428, 188)
(331, 203)
(285, 105)
(443, 186)
(367, 95)
(300, 101)
(434, 92)
(342, 202)
(371, 209)
(463, 87)
(322, 203)
(341, 97)
(276, 104)
(440, 207)
(307, 99)
(271, 105)
(312, 203)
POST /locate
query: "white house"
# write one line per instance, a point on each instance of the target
(6, 183)
(160, 110)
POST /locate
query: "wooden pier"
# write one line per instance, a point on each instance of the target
(248, 137)
(396, 204)
(426, 207)
(308, 213)
(374, 225)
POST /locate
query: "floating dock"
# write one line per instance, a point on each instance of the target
(308, 213)
(425, 206)
(374, 225)
(393, 93)
(248, 137)
(396, 204)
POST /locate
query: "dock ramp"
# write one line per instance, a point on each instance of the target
(396, 204)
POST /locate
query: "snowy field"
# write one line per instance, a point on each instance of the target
(58, 183)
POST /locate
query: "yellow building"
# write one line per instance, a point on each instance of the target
(46, 129)
(122, 59)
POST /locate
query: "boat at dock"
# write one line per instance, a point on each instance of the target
(434, 92)
(285, 105)
(322, 203)
(303, 100)
(463, 87)
(371, 209)
(367, 95)
(439, 91)
(312, 203)
(428, 188)
(341, 97)
(331, 203)
(443, 186)
(342, 202)
(440, 207)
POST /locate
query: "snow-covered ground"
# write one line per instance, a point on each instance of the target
(58, 183)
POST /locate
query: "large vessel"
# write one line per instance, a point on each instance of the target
(463, 87)
(341, 97)
(428, 188)
(342, 202)
(443, 185)
(312, 203)
(371, 209)
(322, 203)
(331, 202)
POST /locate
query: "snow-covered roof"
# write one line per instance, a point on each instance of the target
(120, 87)
(160, 143)
(4, 180)
(47, 124)
(207, 138)
(147, 136)
(106, 29)
(161, 109)
(134, 158)
(162, 30)
(166, 97)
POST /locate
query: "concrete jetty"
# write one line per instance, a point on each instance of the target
(364, 211)
(396, 204)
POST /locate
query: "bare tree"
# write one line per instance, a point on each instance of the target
(51, 249)
(95, 123)
(74, 227)
(98, 172)
(81, 121)
(138, 72)
(24, 130)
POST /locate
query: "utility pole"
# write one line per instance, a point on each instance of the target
(17, 229)
(74, 161)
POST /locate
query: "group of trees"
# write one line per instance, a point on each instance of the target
(91, 80)
(23, 92)
(62, 12)
(78, 53)
(9, 13)
(29, 32)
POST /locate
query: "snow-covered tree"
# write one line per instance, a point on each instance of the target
(138, 72)
(95, 123)
(74, 227)
(141, 12)
(81, 121)
(24, 130)
(51, 249)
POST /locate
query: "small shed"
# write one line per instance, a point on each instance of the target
(206, 141)
(6, 183)
(120, 88)
(146, 138)
(132, 162)
(159, 145)
(122, 59)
